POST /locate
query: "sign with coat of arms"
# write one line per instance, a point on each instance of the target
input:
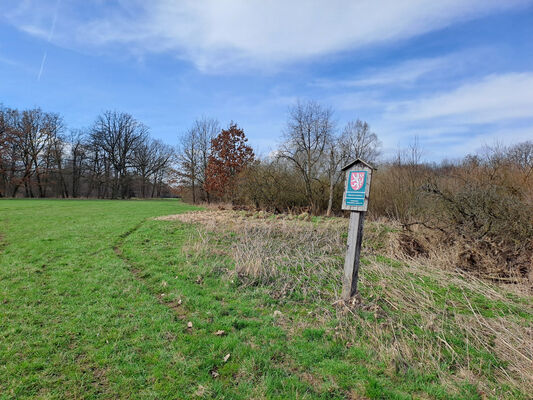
(357, 186)
(355, 193)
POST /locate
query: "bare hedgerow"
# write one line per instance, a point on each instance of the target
(492, 224)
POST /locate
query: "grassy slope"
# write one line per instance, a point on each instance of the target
(95, 298)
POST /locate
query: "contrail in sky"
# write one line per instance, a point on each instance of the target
(42, 67)
(50, 35)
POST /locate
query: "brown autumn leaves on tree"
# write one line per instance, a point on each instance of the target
(230, 155)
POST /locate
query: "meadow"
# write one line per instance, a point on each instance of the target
(109, 299)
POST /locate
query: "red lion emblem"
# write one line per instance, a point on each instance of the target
(357, 180)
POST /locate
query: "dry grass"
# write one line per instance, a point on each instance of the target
(280, 251)
(416, 309)
(415, 303)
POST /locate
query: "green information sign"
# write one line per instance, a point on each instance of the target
(356, 188)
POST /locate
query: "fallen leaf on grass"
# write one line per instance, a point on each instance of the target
(200, 391)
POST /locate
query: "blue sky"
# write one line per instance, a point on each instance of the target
(457, 74)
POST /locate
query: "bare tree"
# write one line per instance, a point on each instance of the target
(165, 156)
(194, 150)
(12, 142)
(99, 168)
(143, 158)
(521, 154)
(206, 130)
(56, 159)
(361, 141)
(189, 160)
(9, 154)
(309, 129)
(103, 161)
(76, 159)
(355, 141)
(5, 131)
(337, 155)
(37, 131)
(151, 159)
(118, 135)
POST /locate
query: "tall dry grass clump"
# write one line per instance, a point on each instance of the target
(290, 254)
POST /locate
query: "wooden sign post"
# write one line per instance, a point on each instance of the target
(355, 199)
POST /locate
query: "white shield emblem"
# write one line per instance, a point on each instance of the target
(357, 180)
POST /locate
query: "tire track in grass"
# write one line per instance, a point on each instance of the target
(3, 243)
(119, 243)
(100, 382)
(176, 305)
(286, 363)
(77, 325)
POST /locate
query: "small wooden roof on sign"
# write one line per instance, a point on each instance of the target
(357, 161)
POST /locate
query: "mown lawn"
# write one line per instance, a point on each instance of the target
(98, 300)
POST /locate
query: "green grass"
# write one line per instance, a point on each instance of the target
(95, 297)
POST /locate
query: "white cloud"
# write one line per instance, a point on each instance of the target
(500, 136)
(411, 72)
(407, 72)
(218, 34)
(450, 122)
(495, 98)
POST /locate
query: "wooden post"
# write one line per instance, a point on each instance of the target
(353, 253)
(355, 199)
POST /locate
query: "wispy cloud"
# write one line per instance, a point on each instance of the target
(462, 119)
(219, 35)
(494, 98)
(407, 72)
(456, 120)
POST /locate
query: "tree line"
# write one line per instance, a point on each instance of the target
(117, 158)
(114, 158)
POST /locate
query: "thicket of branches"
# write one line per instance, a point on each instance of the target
(114, 158)
(480, 206)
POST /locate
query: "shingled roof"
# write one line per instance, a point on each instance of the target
(357, 160)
